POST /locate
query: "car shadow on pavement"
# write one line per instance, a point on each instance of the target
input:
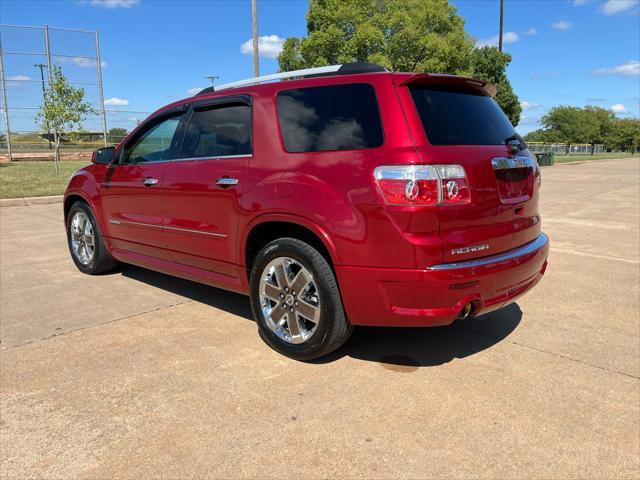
(398, 349)
(230, 302)
(407, 349)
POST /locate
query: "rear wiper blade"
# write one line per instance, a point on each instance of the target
(515, 141)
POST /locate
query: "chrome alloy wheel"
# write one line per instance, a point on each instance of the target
(289, 300)
(82, 238)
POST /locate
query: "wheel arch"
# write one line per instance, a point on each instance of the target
(266, 229)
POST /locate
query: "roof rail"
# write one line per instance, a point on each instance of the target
(343, 69)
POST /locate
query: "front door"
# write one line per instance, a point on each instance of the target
(201, 191)
(132, 191)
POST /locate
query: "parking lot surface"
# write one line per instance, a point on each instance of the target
(136, 374)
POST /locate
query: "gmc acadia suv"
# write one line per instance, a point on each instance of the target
(345, 195)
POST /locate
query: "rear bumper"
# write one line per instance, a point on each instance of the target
(437, 294)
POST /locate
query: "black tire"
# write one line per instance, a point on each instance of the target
(101, 261)
(333, 329)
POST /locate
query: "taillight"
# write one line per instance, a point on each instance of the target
(408, 185)
(423, 185)
(455, 187)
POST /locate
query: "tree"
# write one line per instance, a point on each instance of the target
(402, 35)
(490, 65)
(63, 109)
(625, 135)
(578, 125)
(116, 134)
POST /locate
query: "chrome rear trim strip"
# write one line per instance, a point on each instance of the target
(503, 163)
(188, 230)
(531, 247)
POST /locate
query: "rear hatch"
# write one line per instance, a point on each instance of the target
(466, 127)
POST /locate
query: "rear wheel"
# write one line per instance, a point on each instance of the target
(296, 301)
(86, 244)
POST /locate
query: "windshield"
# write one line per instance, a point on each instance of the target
(460, 117)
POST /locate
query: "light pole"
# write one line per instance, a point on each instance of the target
(213, 78)
(42, 66)
(254, 18)
(501, 24)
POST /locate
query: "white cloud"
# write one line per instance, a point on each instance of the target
(114, 3)
(562, 25)
(618, 108)
(631, 68)
(612, 7)
(115, 101)
(269, 46)
(531, 31)
(82, 62)
(529, 105)
(194, 90)
(508, 37)
(17, 80)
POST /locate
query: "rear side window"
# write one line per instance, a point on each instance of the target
(454, 117)
(219, 131)
(336, 117)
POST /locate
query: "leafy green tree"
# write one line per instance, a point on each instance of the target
(402, 35)
(625, 135)
(490, 65)
(63, 110)
(116, 134)
(578, 125)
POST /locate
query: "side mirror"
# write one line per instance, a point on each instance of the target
(103, 155)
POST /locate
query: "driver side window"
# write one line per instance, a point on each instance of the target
(155, 144)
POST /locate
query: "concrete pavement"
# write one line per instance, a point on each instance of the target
(138, 375)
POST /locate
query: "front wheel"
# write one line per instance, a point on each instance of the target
(86, 244)
(296, 301)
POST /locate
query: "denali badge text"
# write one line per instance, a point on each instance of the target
(475, 248)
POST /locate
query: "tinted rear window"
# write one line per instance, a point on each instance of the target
(336, 117)
(218, 132)
(452, 117)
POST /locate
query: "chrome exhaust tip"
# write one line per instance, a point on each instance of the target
(465, 312)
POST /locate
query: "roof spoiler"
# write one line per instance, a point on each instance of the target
(452, 80)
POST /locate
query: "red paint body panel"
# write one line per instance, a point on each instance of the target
(380, 252)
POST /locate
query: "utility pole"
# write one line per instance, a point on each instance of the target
(254, 18)
(213, 78)
(42, 66)
(501, 24)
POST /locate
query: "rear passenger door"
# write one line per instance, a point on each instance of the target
(202, 188)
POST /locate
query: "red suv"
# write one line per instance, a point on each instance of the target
(345, 195)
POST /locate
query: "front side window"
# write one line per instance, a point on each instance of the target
(155, 144)
(218, 131)
(335, 117)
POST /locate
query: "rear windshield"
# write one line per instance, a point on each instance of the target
(337, 117)
(455, 117)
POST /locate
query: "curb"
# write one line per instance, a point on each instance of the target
(28, 201)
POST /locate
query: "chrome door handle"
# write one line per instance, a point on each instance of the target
(226, 181)
(150, 181)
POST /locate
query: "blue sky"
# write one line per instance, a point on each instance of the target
(565, 52)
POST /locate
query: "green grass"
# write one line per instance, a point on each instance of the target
(35, 179)
(586, 158)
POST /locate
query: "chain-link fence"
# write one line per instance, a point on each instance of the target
(564, 149)
(27, 55)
